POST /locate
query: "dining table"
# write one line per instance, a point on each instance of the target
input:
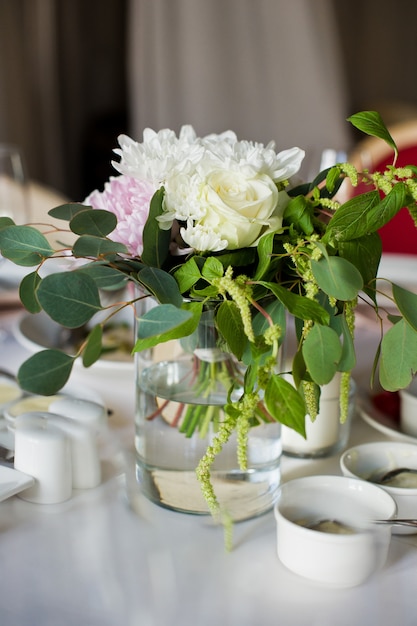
(110, 557)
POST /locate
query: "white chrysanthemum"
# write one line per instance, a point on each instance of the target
(202, 239)
(158, 154)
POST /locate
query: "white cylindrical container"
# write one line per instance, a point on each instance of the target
(44, 452)
(325, 435)
(86, 468)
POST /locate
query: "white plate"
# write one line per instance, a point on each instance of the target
(36, 332)
(382, 422)
(12, 482)
(400, 269)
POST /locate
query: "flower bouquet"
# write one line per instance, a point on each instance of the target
(219, 224)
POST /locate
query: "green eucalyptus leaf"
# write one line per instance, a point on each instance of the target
(96, 247)
(165, 322)
(322, 352)
(389, 206)
(187, 275)
(406, 302)
(27, 292)
(337, 277)
(299, 306)
(371, 123)
(5, 222)
(96, 222)
(69, 298)
(398, 360)
(68, 210)
(285, 404)
(45, 372)
(105, 277)
(24, 245)
(162, 285)
(229, 322)
(93, 347)
(155, 240)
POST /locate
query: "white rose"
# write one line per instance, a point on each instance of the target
(238, 209)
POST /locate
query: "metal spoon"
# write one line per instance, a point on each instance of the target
(340, 528)
(387, 476)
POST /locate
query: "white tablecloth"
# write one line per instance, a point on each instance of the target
(96, 561)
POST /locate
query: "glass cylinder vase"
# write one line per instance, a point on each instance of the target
(182, 387)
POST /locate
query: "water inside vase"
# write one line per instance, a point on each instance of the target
(176, 421)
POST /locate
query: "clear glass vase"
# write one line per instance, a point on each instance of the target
(182, 388)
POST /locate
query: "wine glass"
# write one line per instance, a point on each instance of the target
(14, 201)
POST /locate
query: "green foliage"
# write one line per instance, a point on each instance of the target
(313, 269)
(45, 372)
(371, 123)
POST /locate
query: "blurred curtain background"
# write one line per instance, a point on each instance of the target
(73, 75)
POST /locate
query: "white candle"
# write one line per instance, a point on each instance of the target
(83, 411)
(43, 451)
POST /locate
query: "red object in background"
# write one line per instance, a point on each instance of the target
(388, 402)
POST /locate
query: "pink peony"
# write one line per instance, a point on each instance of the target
(129, 199)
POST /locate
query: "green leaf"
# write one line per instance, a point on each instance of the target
(105, 277)
(69, 298)
(265, 249)
(365, 254)
(383, 213)
(45, 372)
(237, 258)
(5, 222)
(27, 292)
(406, 302)
(285, 404)
(89, 246)
(93, 348)
(187, 275)
(212, 269)
(24, 245)
(299, 214)
(299, 306)
(322, 352)
(348, 359)
(162, 285)
(229, 322)
(68, 210)
(371, 123)
(337, 277)
(94, 222)
(398, 362)
(155, 240)
(165, 322)
(350, 220)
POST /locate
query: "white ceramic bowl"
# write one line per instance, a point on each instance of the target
(369, 460)
(37, 332)
(334, 560)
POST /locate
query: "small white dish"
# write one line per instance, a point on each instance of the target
(13, 482)
(333, 560)
(368, 461)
